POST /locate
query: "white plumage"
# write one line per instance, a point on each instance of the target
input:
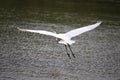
(65, 38)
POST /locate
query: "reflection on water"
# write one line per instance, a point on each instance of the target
(27, 56)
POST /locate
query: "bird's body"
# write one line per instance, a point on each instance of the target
(65, 38)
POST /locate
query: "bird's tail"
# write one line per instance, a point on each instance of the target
(71, 42)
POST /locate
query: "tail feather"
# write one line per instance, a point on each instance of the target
(66, 42)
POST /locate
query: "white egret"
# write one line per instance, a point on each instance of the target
(65, 38)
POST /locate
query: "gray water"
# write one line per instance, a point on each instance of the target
(29, 56)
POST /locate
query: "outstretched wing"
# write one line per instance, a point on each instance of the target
(79, 31)
(40, 32)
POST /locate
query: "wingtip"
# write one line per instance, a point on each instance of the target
(18, 28)
(21, 29)
(99, 22)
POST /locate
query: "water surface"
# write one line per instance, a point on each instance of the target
(29, 56)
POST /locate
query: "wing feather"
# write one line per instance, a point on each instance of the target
(79, 31)
(40, 32)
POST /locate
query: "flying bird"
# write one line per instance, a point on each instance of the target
(65, 38)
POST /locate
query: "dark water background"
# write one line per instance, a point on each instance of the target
(28, 56)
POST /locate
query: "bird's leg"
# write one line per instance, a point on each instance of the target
(67, 51)
(71, 51)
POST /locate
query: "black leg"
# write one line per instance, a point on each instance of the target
(71, 51)
(67, 51)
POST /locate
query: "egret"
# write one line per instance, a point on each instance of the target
(66, 38)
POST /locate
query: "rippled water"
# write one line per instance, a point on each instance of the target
(29, 56)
